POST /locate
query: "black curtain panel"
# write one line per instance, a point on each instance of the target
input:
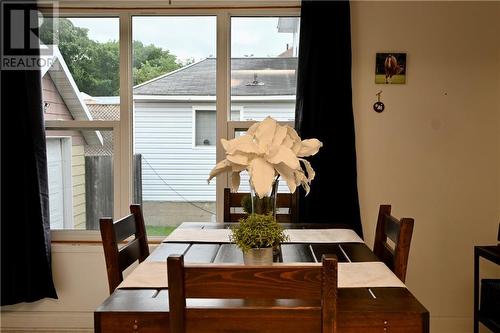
(324, 111)
(26, 274)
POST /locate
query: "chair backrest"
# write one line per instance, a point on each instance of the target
(283, 200)
(399, 232)
(119, 258)
(271, 298)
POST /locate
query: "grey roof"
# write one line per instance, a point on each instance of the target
(274, 76)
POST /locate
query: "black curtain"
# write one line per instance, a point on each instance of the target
(324, 111)
(26, 270)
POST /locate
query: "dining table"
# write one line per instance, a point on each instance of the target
(140, 303)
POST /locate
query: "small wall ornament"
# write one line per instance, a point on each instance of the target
(378, 106)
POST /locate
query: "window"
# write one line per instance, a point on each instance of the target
(205, 128)
(263, 66)
(80, 86)
(205, 124)
(174, 111)
(159, 147)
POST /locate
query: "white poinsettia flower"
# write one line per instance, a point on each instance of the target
(268, 150)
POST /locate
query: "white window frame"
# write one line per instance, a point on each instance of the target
(123, 129)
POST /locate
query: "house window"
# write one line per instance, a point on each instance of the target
(205, 128)
(205, 124)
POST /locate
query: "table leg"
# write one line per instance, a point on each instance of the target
(476, 291)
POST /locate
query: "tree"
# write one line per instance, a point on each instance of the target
(95, 66)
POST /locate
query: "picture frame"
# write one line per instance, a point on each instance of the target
(390, 68)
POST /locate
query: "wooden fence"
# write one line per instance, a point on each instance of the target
(99, 188)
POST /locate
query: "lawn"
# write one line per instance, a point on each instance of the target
(395, 79)
(157, 230)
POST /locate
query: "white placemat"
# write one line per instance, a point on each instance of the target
(153, 275)
(148, 275)
(296, 236)
(199, 235)
(323, 236)
(366, 274)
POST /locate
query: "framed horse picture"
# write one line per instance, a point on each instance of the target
(390, 68)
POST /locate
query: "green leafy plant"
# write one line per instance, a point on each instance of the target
(258, 231)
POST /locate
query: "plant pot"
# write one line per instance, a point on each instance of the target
(258, 256)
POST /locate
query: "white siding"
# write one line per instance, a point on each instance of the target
(281, 111)
(164, 137)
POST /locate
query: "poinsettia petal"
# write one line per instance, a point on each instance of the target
(302, 180)
(220, 167)
(261, 175)
(279, 135)
(233, 144)
(309, 147)
(247, 148)
(251, 131)
(292, 140)
(225, 144)
(309, 170)
(288, 175)
(235, 181)
(284, 155)
(265, 133)
(240, 159)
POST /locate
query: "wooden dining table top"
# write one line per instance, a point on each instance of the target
(382, 309)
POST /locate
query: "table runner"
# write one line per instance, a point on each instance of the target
(296, 236)
(153, 275)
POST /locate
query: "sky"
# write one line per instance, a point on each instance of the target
(195, 37)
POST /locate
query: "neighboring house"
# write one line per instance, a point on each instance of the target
(66, 150)
(175, 129)
(175, 121)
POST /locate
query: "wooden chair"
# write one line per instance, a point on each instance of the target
(112, 233)
(399, 232)
(273, 298)
(283, 200)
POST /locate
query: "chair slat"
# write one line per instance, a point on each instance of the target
(129, 254)
(241, 281)
(124, 227)
(392, 227)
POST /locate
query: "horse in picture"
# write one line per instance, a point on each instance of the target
(391, 68)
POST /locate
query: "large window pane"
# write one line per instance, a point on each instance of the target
(175, 118)
(263, 66)
(80, 81)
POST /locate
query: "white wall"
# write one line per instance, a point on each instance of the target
(434, 154)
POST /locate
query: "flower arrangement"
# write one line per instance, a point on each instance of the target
(268, 150)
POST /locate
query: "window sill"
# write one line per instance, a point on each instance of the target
(88, 236)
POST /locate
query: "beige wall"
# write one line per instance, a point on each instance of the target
(434, 153)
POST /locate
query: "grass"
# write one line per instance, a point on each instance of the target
(157, 230)
(395, 79)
